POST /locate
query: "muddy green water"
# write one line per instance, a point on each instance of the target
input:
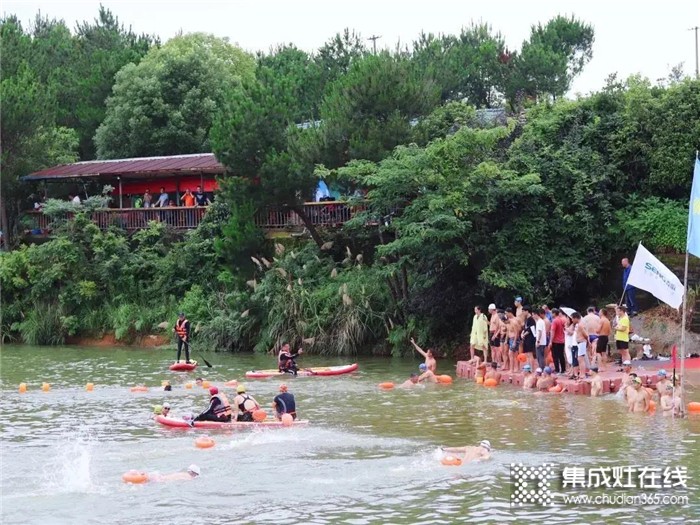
(369, 456)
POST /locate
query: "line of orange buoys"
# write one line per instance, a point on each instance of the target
(90, 387)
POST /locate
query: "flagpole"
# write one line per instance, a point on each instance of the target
(682, 356)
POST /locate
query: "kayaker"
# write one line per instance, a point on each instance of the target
(244, 405)
(192, 472)
(284, 403)
(480, 453)
(286, 360)
(182, 330)
(219, 408)
(430, 362)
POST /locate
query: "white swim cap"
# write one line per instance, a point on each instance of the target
(492, 306)
(486, 444)
(194, 469)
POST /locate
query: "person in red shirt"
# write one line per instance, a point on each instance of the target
(556, 341)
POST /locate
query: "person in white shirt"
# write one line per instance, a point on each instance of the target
(74, 198)
(162, 199)
(540, 336)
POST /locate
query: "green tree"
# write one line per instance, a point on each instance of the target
(167, 103)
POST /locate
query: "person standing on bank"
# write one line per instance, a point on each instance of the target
(182, 330)
(629, 292)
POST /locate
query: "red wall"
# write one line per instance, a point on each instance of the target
(169, 183)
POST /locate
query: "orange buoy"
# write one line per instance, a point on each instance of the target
(694, 406)
(444, 379)
(386, 386)
(205, 384)
(287, 420)
(89, 387)
(134, 476)
(451, 461)
(45, 387)
(522, 358)
(480, 380)
(139, 388)
(188, 385)
(652, 406)
(555, 389)
(22, 388)
(490, 382)
(204, 442)
(260, 415)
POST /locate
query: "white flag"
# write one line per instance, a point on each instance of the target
(650, 274)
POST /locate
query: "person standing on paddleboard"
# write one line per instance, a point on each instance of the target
(182, 330)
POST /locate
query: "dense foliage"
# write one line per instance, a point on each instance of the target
(463, 208)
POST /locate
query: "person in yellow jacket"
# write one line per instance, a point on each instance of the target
(479, 339)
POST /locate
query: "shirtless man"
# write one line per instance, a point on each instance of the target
(430, 362)
(546, 381)
(496, 328)
(603, 339)
(592, 324)
(581, 344)
(662, 382)
(410, 382)
(493, 328)
(596, 382)
(426, 376)
(513, 333)
(493, 373)
(504, 340)
(529, 379)
(519, 313)
(627, 387)
(192, 472)
(480, 453)
(666, 401)
(638, 399)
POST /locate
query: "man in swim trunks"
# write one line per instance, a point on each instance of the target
(496, 328)
(622, 333)
(596, 382)
(493, 373)
(469, 454)
(529, 379)
(430, 362)
(581, 346)
(513, 330)
(519, 309)
(546, 381)
(493, 327)
(638, 399)
(591, 322)
(603, 339)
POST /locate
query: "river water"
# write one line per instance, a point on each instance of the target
(368, 456)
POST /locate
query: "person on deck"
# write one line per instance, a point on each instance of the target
(201, 197)
(219, 408)
(244, 405)
(429, 357)
(622, 333)
(286, 360)
(163, 199)
(147, 199)
(284, 403)
(182, 330)
(188, 199)
(479, 337)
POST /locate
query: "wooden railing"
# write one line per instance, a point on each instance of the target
(324, 214)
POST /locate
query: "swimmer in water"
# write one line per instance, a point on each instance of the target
(596, 382)
(529, 379)
(467, 454)
(192, 472)
(430, 362)
(638, 399)
(666, 401)
(426, 376)
(493, 373)
(662, 383)
(546, 381)
(627, 387)
(411, 381)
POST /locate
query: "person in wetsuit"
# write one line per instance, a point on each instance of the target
(219, 408)
(286, 360)
(284, 403)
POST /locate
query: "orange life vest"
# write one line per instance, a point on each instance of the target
(180, 328)
(224, 408)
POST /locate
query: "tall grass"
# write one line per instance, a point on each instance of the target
(43, 325)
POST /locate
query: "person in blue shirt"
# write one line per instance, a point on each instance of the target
(284, 403)
(630, 292)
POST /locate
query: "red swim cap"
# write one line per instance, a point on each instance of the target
(213, 390)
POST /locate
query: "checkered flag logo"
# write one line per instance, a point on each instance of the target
(531, 484)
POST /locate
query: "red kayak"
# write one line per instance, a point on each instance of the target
(176, 422)
(304, 372)
(183, 366)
